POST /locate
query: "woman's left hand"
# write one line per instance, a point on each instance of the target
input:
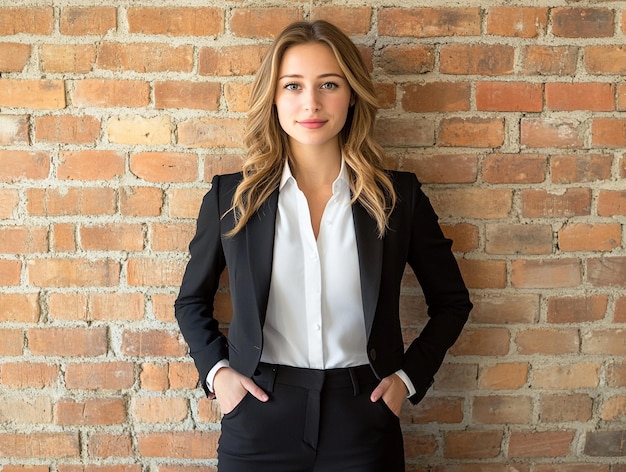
(393, 392)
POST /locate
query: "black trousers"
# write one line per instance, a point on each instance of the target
(314, 421)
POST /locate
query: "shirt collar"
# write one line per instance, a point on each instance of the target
(342, 180)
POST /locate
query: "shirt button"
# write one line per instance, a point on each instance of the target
(317, 327)
(313, 255)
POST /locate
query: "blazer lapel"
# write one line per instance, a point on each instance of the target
(370, 249)
(260, 243)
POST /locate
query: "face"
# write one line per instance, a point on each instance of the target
(312, 96)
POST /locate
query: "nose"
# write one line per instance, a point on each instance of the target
(311, 100)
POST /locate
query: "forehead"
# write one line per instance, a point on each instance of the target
(309, 59)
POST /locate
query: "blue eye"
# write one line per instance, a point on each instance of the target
(329, 85)
(291, 86)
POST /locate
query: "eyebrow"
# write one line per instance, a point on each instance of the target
(322, 76)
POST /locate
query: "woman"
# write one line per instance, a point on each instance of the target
(316, 237)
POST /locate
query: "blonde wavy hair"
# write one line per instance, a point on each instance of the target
(268, 146)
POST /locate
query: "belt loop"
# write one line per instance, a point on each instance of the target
(355, 381)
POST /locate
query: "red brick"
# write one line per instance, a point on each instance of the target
(495, 409)
(27, 410)
(90, 164)
(100, 376)
(580, 168)
(91, 411)
(509, 96)
(182, 94)
(471, 132)
(192, 468)
(155, 272)
(612, 202)
(616, 374)
(548, 273)
(472, 444)
(608, 132)
(464, 236)
(112, 237)
(510, 238)
(547, 341)
(9, 200)
(611, 342)
(221, 164)
(230, 60)
(262, 22)
(505, 376)
(505, 309)
(37, 445)
(11, 341)
(182, 375)
(163, 307)
(619, 313)
(540, 443)
(165, 166)
(82, 21)
(103, 93)
(28, 375)
(407, 59)
(171, 237)
(35, 94)
(67, 129)
(514, 168)
(67, 58)
(580, 96)
(477, 59)
(208, 132)
(613, 409)
(550, 132)
(14, 129)
(428, 22)
(456, 378)
(351, 20)
(463, 203)
(102, 445)
(440, 410)
(23, 239)
(566, 203)
(72, 342)
(570, 22)
(179, 21)
(237, 96)
(590, 237)
(19, 307)
(483, 273)
(605, 444)
(566, 377)
(605, 59)
(70, 201)
(100, 468)
(21, 165)
(141, 201)
(185, 203)
(179, 444)
(442, 168)
(10, 271)
(116, 306)
(517, 22)
(68, 306)
(606, 271)
(621, 97)
(436, 97)
(152, 343)
(73, 272)
(13, 56)
(154, 377)
(579, 408)
(63, 237)
(139, 130)
(482, 342)
(405, 132)
(144, 57)
(576, 309)
(159, 409)
(37, 20)
(417, 444)
(549, 60)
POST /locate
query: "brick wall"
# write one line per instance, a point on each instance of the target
(113, 118)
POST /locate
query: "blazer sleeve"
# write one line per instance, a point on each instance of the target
(194, 305)
(431, 258)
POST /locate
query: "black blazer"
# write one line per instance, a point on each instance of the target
(413, 237)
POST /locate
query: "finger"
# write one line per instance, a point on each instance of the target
(254, 390)
(379, 391)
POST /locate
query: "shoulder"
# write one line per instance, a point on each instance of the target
(403, 181)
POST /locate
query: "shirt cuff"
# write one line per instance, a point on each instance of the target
(407, 381)
(211, 375)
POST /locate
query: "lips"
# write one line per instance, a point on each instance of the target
(312, 124)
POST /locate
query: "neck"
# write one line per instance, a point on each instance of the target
(315, 166)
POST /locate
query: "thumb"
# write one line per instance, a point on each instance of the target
(379, 391)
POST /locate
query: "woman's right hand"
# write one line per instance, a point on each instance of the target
(230, 388)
